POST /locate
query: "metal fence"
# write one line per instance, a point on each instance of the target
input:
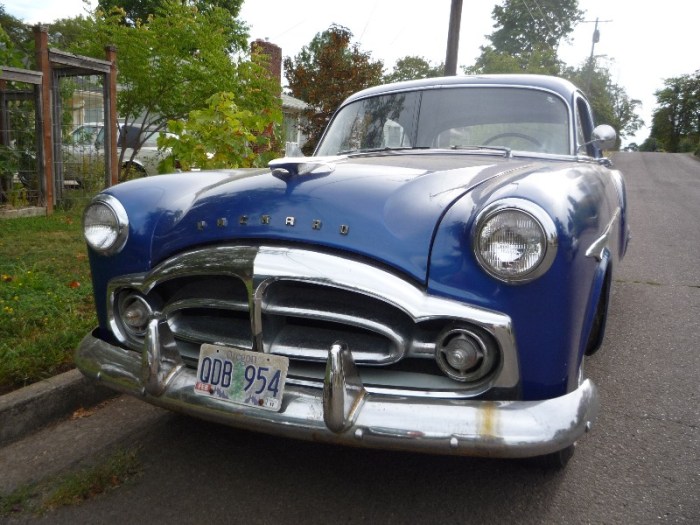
(79, 154)
(57, 127)
(20, 144)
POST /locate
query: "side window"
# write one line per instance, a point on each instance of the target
(584, 128)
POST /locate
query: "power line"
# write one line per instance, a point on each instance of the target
(544, 17)
(528, 10)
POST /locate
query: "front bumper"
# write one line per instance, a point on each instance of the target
(344, 413)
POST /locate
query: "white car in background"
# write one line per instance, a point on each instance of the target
(83, 151)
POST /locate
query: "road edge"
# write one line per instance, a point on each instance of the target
(33, 407)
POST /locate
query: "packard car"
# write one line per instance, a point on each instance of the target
(430, 280)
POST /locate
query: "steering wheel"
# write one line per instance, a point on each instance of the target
(528, 138)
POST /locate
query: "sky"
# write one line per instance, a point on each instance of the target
(642, 43)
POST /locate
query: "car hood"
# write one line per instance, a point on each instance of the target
(386, 207)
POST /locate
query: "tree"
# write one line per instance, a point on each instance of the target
(174, 62)
(676, 121)
(141, 9)
(324, 73)
(609, 101)
(65, 33)
(522, 27)
(16, 41)
(542, 61)
(134, 12)
(412, 68)
(527, 36)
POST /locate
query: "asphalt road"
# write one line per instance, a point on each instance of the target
(640, 464)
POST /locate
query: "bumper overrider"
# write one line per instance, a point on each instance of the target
(344, 412)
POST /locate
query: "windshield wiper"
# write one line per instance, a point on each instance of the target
(378, 150)
(506, 151)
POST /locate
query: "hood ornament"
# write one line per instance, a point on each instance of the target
(294, 168)
(294, 164)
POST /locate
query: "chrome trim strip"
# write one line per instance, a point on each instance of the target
(458, 427)
(258, 267)
(598, 247)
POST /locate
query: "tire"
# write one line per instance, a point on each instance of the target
(131, 171)
(557, 460)
(595, 338)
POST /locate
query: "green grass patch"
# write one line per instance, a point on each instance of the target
(73, 488)
(46, 303)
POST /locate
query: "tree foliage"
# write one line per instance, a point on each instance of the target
(135, 10)
(542, 61)
(175, 62)
(16, 42)
(609, 101)
(525, 26)
(324, 73)
(221, 136)
(412, 68)
(66, 33)
(676, 121)
(527, 36)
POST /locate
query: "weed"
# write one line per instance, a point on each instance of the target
(73, 488)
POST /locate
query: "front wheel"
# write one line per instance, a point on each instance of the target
(131, 171)
(557, 460)
(595, 338)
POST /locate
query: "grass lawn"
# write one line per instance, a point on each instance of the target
(46, 303)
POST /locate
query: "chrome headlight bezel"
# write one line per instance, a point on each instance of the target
(548, 240)
(105, 225)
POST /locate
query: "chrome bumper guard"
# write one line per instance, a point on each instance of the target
(344, 412)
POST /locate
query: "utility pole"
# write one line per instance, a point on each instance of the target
(591, 60)
(453, 38)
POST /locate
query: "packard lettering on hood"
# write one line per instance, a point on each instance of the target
(430, 280)
(244, 220)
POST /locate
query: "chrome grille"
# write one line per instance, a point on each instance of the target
(302, 320)
(298, 303)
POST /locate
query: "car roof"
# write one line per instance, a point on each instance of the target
(558, 85)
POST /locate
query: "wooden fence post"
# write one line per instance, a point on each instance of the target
(41, 44)
(111, 102)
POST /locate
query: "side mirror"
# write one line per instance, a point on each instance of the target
(604, 136)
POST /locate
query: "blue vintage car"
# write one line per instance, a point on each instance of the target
(430, 280)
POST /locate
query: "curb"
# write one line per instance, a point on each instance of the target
(28, 409)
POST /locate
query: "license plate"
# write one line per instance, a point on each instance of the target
(241, 376)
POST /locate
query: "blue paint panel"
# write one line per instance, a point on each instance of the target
(551, 316)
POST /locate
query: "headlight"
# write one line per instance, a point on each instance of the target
(514, 240)
(105, 225)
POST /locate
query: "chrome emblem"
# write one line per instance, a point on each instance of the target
(290, 221)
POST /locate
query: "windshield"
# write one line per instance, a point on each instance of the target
(517, 118)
